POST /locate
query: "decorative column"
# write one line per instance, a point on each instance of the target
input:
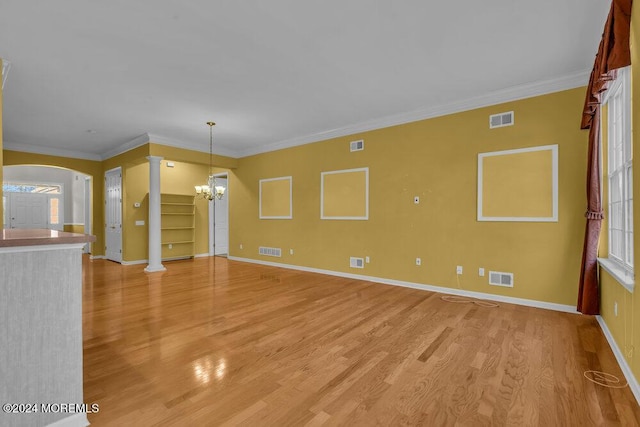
(155, 245)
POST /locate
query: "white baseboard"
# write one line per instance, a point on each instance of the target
(135, 262)
(432, 288)
(626, 369)
(76, 420)
(96, 257)
(145, 261)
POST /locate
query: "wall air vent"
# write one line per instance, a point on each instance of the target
(356, 262)
(263, 250)
(499, 278)
(501, 120)
(357, 145)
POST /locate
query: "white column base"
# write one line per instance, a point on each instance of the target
(154, 268)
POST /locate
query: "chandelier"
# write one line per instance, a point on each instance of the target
(210, 190)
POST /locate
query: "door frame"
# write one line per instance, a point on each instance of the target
(212, 220)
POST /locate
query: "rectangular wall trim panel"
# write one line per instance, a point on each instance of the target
(344, 194)
(276, 198)
(519, 185)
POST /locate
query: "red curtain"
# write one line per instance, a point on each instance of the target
(613, 53)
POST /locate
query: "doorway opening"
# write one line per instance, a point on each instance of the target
(51, 197)
(219, 220)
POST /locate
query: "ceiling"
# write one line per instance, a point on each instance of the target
(90, 78)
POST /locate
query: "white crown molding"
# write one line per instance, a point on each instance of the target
(439, 289)
(514, 93)
(221, 151)
(127, 146)
(146, 138)
(50, 151)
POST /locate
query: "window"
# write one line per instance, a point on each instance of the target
(18, 187)
(54, 206)
(620, 172)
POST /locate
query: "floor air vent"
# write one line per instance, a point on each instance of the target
(498, 278)
(501, 120)
(356, 262)
(263, 250)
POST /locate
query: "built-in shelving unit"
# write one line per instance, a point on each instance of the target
(177, 226)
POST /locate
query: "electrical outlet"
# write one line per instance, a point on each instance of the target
(481, 272)
(615, 308)
(290, 251)
(170, 246)
(240, 245)
(459, 269)
(367, 259)
(416, 200)
(418, 261)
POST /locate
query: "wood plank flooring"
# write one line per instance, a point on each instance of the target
(218, 342)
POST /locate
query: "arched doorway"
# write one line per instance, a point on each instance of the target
(37, 196)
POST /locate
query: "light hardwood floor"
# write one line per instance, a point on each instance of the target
(218, 342)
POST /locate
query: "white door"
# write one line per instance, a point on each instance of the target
(113, 214)
(28, 210)
(221, 221)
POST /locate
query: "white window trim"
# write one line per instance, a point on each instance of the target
(622, 275)
(617, 268)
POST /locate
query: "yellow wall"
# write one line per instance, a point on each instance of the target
(74, 228)
(518, 184)
(191, 168)
(89, 167)
(624, 327)
(275, 197)
(191, 156)
(435, 159)
(135, 188)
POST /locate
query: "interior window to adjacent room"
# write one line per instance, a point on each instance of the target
(620, 171)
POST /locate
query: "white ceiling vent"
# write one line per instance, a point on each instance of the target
(499, 278)
(501, 120)
(356, 262)
(277, 252)
(357, 145)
